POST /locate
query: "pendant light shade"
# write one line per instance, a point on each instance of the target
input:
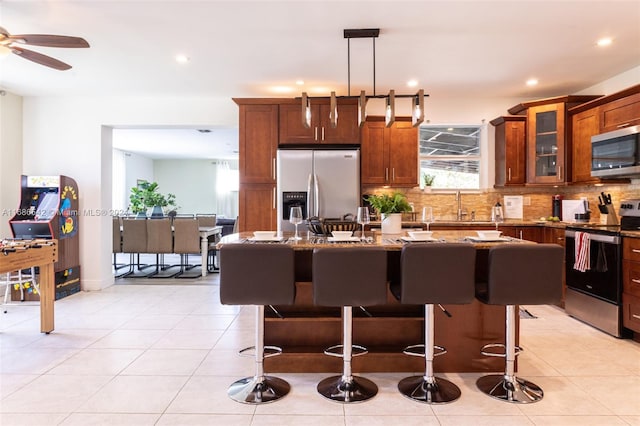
(390, 110)
(417, 108)
(306, 111)
(333, 111)
(362, 108)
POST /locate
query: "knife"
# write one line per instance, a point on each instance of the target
(608, 200)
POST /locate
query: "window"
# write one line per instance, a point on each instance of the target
(452, 154)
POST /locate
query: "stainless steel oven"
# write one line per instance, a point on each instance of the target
(595, 294)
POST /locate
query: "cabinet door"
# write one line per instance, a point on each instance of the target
(510, 137)
(554, 236)
(291, 129)
(621, 113)
(545, 139)
(584, 125)
(402, 140)
(258, 143)
(257, 205)
(346, 132)
(373, 151)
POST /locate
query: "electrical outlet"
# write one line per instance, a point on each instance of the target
(526, 201)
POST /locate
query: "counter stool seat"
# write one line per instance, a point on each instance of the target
(434, 274)
(527, 274)
(347, 277)
(257, 274)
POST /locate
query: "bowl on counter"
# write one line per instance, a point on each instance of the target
(264, 235)
(489, 235)
(420, 235)
(327, 226)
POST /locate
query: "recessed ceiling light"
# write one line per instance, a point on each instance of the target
(606, 41)
(532, 82)
(182, 59)
(412, 83)
(299, 82)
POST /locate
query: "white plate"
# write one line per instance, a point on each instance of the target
(417, 240)
(487, 240)
(265, 239)
(345, 240)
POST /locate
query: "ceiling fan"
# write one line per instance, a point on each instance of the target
(9, 42)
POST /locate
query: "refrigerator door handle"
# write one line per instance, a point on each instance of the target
(310, 202)
(316, 194)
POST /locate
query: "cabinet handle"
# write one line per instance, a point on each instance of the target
(636, 316)
(323, 133)
(274, 198)
(386, 174)
(635, 281)
(635, 250)
(274, 168)
(559, 172)
(315, 137)
(623, 125)
(520, 234)
(509, 172)
(393, 174)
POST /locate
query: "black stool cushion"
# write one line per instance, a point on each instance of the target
(437, 273)
(257, 274)
(349, 276)
(523, 274)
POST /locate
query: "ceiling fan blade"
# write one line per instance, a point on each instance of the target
(41, 59)
(49, 40)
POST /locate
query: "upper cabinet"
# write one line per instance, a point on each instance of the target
(620, 113)
(547, 160)
(389, 154)
(584, 125)
(293, 132)
(510, 150)
(258, 143)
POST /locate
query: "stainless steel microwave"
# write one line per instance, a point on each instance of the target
(616, 153)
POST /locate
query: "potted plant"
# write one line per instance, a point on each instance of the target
(390, 207)
(427, 179)
(146, 196)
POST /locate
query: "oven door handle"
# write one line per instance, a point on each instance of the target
(611, 239)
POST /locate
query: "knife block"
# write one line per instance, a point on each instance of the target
(611, 216)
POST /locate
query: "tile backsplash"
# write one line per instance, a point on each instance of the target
(537, 200)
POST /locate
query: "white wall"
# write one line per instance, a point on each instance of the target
(615, 84)
(192, 181)
(10, 158)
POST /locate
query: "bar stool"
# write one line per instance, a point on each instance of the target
(347, 277)
(257, 274)
(434, 274)
(527, 274)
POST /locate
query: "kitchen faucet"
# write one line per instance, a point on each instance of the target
(460, 213)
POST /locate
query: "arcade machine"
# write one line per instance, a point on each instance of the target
(49, 210)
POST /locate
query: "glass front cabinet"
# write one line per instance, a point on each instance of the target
(546, 159)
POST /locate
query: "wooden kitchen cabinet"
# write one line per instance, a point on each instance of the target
(257, 206)
(293, 132)
(584, 125)
(631, 283)
(510, 147)
(389, 154)
(620, 113)
(258, 145)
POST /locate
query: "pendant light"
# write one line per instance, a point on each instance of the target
(333, 111)
(306, 111)
(417, 108)
(362, 108)
(390, 110)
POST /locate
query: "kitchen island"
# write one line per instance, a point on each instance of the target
(305, 330)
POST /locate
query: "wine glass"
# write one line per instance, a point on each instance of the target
(363, 218)
(295, 217)
(427, 216)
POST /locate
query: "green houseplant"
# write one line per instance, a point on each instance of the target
(146, 196)
(390, 207)
(428, 179)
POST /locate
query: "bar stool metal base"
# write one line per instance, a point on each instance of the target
(514, 390)
(337, 389)
(441, 391)
(256, 390)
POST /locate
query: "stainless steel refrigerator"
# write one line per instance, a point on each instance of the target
(325, 183)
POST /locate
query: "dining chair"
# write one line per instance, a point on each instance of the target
(134, 242)
(159, 242)
(186, 242)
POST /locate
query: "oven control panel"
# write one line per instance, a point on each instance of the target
(630, 208)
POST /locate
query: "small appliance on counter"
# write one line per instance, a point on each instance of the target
(556, 206)
(630, 215)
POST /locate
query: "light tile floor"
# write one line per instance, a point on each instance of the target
(164, 354)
